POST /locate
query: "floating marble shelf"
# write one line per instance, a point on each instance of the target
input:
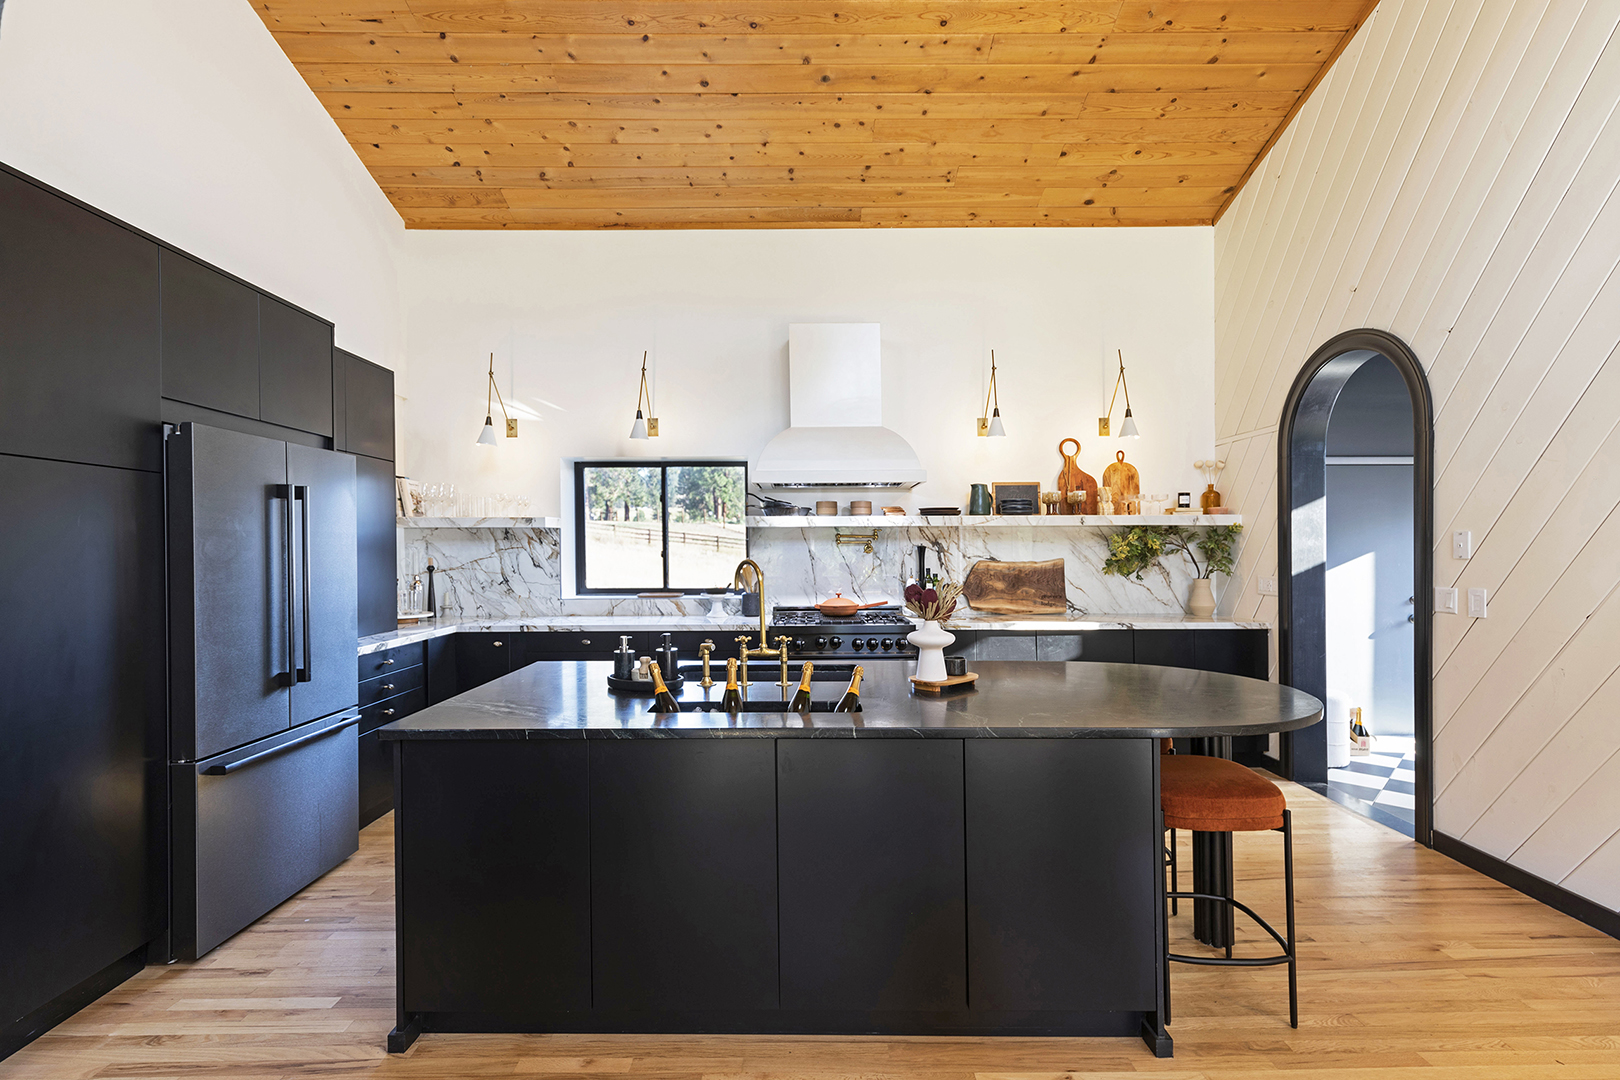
(479, 523)
(1010, 521)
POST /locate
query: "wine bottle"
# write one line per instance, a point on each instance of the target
(801, 696)
(1360, 737)
(851, 701)
(663, 700)
(732, 699)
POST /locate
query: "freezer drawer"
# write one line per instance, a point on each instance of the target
(253, 826)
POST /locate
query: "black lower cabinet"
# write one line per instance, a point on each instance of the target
(442, 678)
(82, 784)
(495, 890)
(1062, 885)
(683, 875)
(376, 778)
(482, 657)
(872, 876)
(1169, 648)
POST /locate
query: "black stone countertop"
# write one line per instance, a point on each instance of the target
(1030, 699)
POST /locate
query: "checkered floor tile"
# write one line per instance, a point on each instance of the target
(1383, 778)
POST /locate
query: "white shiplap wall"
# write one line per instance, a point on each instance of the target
(1453, 180)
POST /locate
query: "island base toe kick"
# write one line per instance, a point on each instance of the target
(926, 886)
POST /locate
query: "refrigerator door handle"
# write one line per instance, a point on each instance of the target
(226, 770)
(301, 494)
(284, 493)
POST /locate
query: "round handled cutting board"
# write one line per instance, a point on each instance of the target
(1074, 478)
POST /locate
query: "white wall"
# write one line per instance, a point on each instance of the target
(185, 119)
(1453, 180)
(568, 314)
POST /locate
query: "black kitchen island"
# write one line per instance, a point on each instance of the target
(983, 863)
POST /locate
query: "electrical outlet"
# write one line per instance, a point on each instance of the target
(1462, 544)
(1268, 586)
(1445, 601)
(1476, 603)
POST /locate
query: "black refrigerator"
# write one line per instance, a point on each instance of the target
(263, 678)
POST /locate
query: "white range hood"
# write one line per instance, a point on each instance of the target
(837, 438)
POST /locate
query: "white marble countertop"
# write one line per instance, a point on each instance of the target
(609, 624)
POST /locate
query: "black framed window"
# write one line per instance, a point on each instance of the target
(641, 526)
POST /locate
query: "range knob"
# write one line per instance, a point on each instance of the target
(888, 643)
(835, 643)
(871, 643)
(821, 642)
(859, 644)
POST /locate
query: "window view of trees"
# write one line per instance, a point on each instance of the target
(630, 509)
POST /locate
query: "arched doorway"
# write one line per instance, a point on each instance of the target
(1303, 550)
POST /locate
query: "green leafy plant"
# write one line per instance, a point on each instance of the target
(1138, 549)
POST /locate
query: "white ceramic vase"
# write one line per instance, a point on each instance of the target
(1201, 600)
(931, 641)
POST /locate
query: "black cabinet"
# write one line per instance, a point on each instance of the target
(481, 657)
(377, 558)
(1234, 652)
(295, 368)
(1169, 648)
(383, 662)
(872, 874)
(1096, 646)
(78, 333)
(376, 777)
(82, 800)
(363, 406)
(683, 874)
(495, 862)
(442, 681)
(210, 338)
(1062, 881)
(533, 645)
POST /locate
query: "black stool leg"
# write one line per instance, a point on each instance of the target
(1175, 882)
(1288, 886)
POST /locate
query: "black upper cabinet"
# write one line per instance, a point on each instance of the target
(210, 338)
(295, 368)
(78, 332)
(367, 413)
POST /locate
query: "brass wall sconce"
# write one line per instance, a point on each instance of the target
(487, 436)
(1127, 427)
(990, 423)
(645, 427)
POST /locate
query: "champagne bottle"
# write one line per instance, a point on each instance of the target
(663, 700)
(1360, 737)
(732, 699)
(801, 696)
(851, 701)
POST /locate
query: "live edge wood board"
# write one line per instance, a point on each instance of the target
(574, 114)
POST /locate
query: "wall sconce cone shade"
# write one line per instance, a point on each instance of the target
(487, 436)
(643, 428)
(990, 422)
(1127, 426)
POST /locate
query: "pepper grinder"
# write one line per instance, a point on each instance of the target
(432, 606)
(624, 659)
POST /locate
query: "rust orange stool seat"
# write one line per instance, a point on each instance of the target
(1214, 795)
(1211, 794)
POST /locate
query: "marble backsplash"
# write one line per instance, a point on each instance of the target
(512, 573)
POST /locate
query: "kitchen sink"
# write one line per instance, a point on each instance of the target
(750, 707)
(766, 671)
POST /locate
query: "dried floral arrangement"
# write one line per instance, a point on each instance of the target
(933, 603)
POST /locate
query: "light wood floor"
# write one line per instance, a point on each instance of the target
(1411, 966)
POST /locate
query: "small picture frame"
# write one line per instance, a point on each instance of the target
(407, 497)
(1009, 489)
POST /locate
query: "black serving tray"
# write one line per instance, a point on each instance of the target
(642, 687)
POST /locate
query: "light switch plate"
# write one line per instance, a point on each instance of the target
(1268, 586)
(1445, 601)
(1462, 544)
(1476, 603)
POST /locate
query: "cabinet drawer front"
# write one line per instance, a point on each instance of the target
(390, 660)
(391, 709)
(394, 683)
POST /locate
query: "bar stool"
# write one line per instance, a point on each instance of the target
(1214, 795)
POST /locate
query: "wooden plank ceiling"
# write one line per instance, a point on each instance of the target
(583, 114)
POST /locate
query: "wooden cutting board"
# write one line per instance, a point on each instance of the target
(1074, 478)
(1121, 479)
(1016, 588)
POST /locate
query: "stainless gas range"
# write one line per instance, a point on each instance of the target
(877, 633)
